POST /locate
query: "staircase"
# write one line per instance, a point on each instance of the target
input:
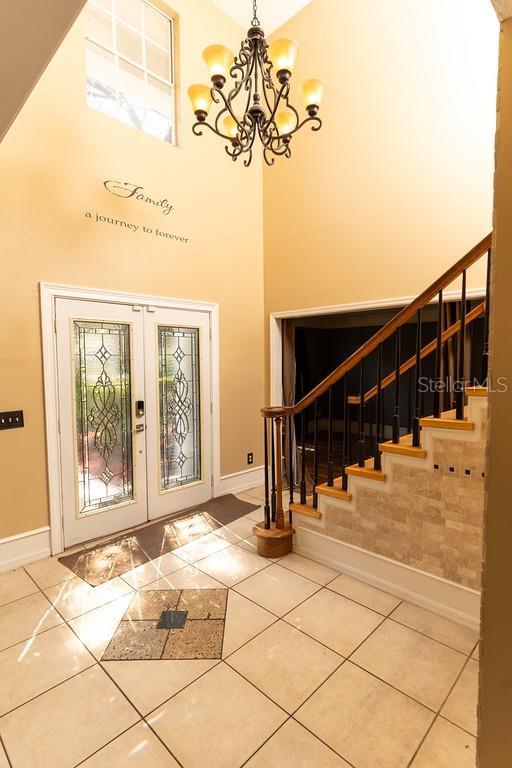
(408, 514)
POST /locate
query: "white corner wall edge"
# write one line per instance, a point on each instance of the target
(433, 593)
(240, 481)
(24, 548)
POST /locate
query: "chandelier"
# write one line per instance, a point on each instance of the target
(257, 103)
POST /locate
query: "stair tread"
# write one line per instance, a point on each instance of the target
(403, 448)
(477, 391)
(367, 471)
(306, 509)
(335, 490)
(448, 420)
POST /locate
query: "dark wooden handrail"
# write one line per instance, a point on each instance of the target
(475, 313)
(385, 332)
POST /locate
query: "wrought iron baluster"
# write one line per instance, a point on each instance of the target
(377, 455)
(396, 414)
(273, 470)
(303, 496)
(315, 458)
(460, 393)
(439, 355)
(361, 451)
(346, 438)
(410, 416)
(369, 412)
(330, 462)
(279, 473)
(416, 419)
(266, 508)
(291, 424)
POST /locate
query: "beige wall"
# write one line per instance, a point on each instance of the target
(49, 23)
(398, 184)
(495, 744)
(52, 166)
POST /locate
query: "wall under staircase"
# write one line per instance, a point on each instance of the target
(417, 532)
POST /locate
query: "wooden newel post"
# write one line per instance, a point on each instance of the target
(279, 473)
(274, 536)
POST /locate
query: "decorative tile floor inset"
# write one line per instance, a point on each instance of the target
(171, 624)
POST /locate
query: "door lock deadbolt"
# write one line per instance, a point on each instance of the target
(139, 409)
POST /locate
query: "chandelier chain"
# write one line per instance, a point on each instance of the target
(255, 21)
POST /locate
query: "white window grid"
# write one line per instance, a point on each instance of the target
(141, 67)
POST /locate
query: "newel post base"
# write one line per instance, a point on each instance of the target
(273, 542)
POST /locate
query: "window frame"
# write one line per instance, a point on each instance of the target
(142, 68)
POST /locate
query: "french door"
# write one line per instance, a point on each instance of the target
(134, 414)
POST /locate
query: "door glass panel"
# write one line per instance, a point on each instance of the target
(179, 398)
(103, 414)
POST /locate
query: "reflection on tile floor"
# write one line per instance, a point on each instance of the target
(282, 662)
(105, 559)
(171, 624)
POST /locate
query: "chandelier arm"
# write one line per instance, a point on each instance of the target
(317, 124)
(281, 95)
(204, 124)
(233, 151)
(278, 147)
(266, 65)
(241, 69)
(216, 93)
(268, 84)
(269, 161)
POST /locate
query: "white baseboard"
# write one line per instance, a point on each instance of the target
(24, 548)
(424, 589)
(240, 481)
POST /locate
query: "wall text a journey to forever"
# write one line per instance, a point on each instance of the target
(129, 191)
(99, 218)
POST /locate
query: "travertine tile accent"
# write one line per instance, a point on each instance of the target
(171, 624)
(433, 517)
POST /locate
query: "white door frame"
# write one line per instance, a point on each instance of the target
(49, 292)
(276, 325)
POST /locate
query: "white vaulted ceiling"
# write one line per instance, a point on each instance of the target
(271, 13)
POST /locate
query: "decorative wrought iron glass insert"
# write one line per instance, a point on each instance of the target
(130, 65)
(180, 417)
(103, 414)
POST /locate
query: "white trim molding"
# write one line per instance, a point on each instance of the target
(240, 481)
(443, 597)
(24, 548)
(49, 293)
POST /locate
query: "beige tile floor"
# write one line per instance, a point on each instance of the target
(318, 670)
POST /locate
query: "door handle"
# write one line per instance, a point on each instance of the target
(140, 427)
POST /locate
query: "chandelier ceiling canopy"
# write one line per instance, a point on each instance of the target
(256, 103)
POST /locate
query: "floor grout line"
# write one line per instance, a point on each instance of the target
(2, 746)
(225, 660)
(17, 599)
(110, 741)
(438, 714)
(51, 688)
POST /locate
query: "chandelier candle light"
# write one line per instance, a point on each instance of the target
(261, 76)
